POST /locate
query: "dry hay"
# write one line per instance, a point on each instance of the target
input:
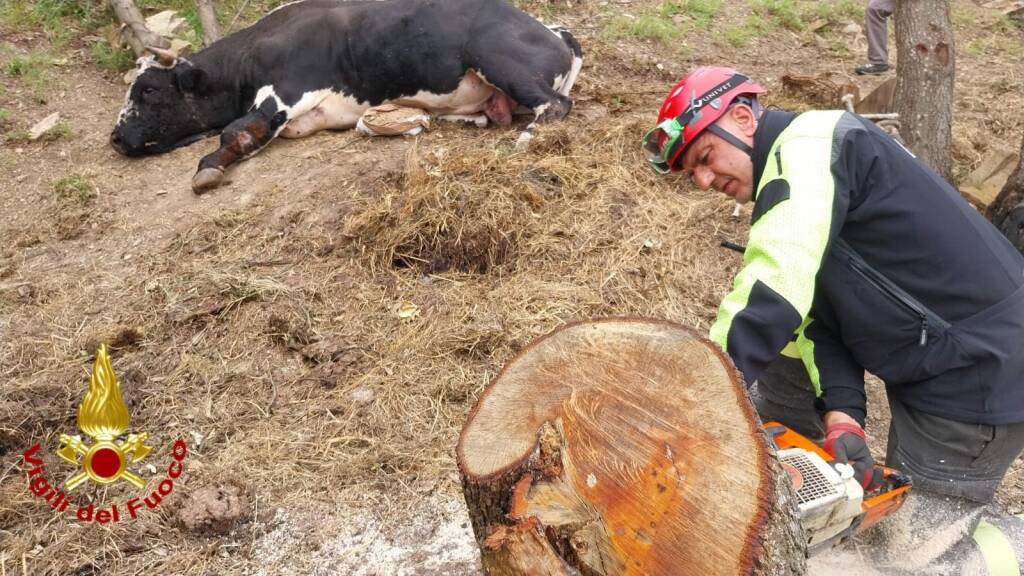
(822, 91)
(276, 333)
(317, 332)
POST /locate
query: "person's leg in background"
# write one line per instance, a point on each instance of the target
(876, 28)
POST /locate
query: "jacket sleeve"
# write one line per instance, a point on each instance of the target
(796, 215)
(837, 377)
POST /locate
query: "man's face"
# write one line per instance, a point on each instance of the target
(712, 162)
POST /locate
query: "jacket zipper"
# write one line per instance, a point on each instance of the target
(890, 289)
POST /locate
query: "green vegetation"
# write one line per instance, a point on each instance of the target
(785, 13)
(58, 18)
(75, 187)
(740, 36)
(114, 59)
(647, 26)
(700, 11)
(26, 65)
(15, 135)
(835, 10)
(839, 47)
(60, 130)
(30, 68)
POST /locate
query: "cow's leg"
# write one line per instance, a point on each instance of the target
(241, 139)
(335, 112)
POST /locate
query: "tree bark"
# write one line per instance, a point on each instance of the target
(924, 88)
(138, 36)
(625, 447)
(208, 20)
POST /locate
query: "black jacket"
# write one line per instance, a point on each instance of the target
(861, 257)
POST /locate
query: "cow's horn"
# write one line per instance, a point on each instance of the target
(164, 57)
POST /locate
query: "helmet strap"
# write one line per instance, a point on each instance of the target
(728, 137)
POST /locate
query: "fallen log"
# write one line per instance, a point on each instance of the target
(625, 447)
(208, 20)
(138, 35)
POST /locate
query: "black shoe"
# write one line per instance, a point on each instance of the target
(871, 69)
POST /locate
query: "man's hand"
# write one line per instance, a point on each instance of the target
(844, 440)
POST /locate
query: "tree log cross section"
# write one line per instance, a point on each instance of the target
(622, 447)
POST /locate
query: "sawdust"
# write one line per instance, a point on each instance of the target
(433, 538)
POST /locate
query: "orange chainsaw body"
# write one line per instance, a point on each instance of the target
(874, 506)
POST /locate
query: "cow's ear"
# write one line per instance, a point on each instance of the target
(191, 79)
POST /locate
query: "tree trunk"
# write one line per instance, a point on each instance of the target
(138, 36)
(924, 89)
(208, 20)
(625, 447)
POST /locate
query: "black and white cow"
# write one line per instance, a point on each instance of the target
(316, 64)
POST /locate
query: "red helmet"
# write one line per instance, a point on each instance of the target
(695, 103)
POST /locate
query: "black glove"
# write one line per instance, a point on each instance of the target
(845, 442)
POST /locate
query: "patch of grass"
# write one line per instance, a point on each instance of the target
(543, 10)
(75, 187)
(835, 10)
(646, 26)
(701, 11)
(15, 135)
(991, 44)
(29, 68)
(961, 16)
(58, 18)
(839, 47)
(60, 130)
(740, 36)
(975, 46)
(785, 13)
(1004, 25)
(25, 65)
(111, 58)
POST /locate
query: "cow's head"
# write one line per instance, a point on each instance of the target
(171, 103)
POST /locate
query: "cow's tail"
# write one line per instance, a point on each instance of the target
(576, 50)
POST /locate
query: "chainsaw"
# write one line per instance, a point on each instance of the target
(832, 504)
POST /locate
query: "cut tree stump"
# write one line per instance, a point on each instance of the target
(625, 447)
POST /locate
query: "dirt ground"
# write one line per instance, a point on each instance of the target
(317, 330)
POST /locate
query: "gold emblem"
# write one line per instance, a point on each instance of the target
(103, 416)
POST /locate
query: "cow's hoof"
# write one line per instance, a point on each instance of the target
(207, 179)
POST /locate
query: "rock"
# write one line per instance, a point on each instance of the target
(166, 23)
(213, 509)
(362, 396)
(43, 126)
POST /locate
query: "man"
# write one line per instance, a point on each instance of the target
(877, 30)
(861, 258)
